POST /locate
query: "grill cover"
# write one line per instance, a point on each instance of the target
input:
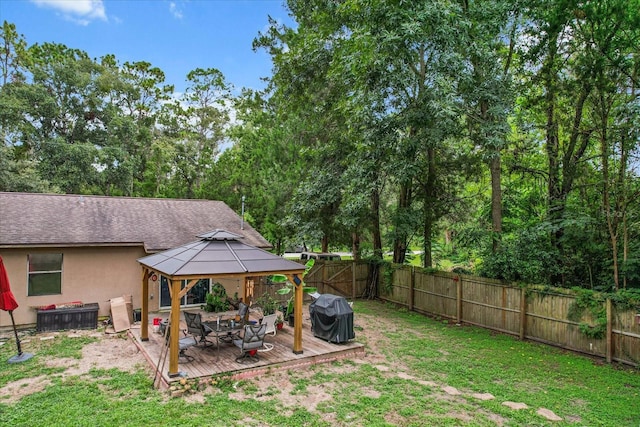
(332, 318)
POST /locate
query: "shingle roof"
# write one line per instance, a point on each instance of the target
(30, 219)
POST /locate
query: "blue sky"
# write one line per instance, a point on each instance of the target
(176, 36)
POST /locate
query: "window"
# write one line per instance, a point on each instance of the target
(45, 274)
(195, 296)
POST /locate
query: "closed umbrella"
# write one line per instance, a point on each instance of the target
(8, 303)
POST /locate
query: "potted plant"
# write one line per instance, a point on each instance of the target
(288, 287)
(279, 322)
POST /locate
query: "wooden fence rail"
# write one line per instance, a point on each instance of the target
(526, 312)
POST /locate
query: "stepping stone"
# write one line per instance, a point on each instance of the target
(483, 396)
(46, 338)
(515, 405)
(405, 376)
(548, 414)
(451, 391)
(382, 368)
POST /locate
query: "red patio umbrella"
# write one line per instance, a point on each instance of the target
(8, 303)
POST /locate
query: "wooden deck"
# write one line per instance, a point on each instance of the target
(207, 363)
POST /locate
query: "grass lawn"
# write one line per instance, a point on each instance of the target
(416, 372)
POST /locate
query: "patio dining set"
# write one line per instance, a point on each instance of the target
(235, 327)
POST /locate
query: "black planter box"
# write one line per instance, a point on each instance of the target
(85, 317)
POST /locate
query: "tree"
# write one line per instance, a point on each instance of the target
(578, 45)
(307, 100)
(263, 166)
(489, 44)
(196, 123)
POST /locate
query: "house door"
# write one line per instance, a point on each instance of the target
(196, 295)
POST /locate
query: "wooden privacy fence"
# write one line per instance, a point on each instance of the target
(344, 278)
(527, 312)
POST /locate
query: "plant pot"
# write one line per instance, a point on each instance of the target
(291, 319)
(279, 326)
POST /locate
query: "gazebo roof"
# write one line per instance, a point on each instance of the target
(219, 253)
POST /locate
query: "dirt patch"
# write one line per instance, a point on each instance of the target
(14, 391)
(108, 352)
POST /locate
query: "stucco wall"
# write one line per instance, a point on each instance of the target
(89, 275)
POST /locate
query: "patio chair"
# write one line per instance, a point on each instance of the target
(183, 344)
(250, 342)
(243, 312)
(270, 322)
(197, 329)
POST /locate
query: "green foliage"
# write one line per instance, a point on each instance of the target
(216, 300)
(388, 269)
(597, 330)
(626, 299)
(288, 287)
(377, 128)
(594, 303)
(526, 257)
(267, 303)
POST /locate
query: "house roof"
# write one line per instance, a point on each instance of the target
(33, 219)
(219, 253)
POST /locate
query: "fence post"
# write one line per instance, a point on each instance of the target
(523, 312)
(353, 281)
(458, 280)
(609, 331)
(324, 276)
(411, 286)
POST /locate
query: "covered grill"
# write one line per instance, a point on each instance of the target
(332, 318)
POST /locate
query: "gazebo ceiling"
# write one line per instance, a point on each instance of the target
(218, 253)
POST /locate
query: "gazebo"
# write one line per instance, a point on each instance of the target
(217, 254)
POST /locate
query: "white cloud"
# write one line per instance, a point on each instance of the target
(79, 11)
(175, 10)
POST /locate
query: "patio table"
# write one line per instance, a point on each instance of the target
(231, 314)
(223, 329)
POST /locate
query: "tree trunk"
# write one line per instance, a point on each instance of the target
(496, 190)
(375, 224)
(426, 247)
(610, 214)
(555, 208)
(324, 244)
(400, 241)
(496, 200)
(355, 246)
(430, 200)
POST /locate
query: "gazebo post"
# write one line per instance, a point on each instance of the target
(297, 314)
(174, 327)
(144, 315)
